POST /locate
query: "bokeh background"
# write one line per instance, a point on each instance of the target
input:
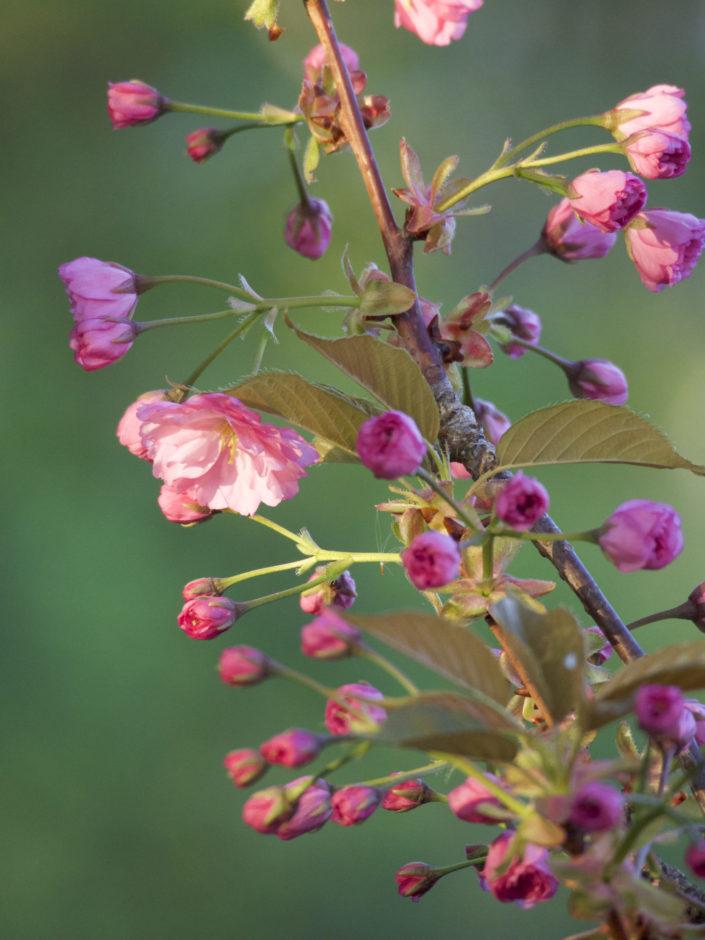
(119, 820)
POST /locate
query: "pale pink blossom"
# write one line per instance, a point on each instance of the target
(128, 429)
(660, 107)
(436, 22)
(99, 289)
(608, 200)
(664, 246)
(222, 454)
(317, 58)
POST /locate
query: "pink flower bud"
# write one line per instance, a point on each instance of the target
(361, 697)
(431, 561)
(697, 600)
(521, 502)
(407, 795)
(245, 766)
(267, 810)
(353, 805)
(329, 637)
(569, 239)
(657, 154)
(316, 59)
(308, 228)
(608, 200)
(494, 422)
(204, 618)
(664, 246)
(340, 592)
(292, 748)
(99, 342)
(99, 289)
(415, 879)
(134, 102)
(595, 807)
(658, 709)
(524, 324)
(204, 143)
(181, 505)
(695, 857)
(241, 665)
(685, 731)
(660, 107)
(599, 650)
(597, 379)
(435, 22)
(128, 429)
(526, 880)
(390, 445)
(642, 534)
(312, 810)
(201, 587)
(468, 799)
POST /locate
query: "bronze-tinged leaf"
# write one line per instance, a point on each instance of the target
(323, 410)
(387, 372)
(550, 647)
(682, 664)
(443, 721)
(444, 647)
(588, 432)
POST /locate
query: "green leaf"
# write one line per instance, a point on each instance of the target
(323, 410)
(312, 156)
(387, 372)
(443, 721)
(587, 432)
(682, 664)
(550, 648)
(385, 298)
(449, 650)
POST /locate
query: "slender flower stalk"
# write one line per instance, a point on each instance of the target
(682, 612)
(373, 656)
(467, 515)
(536, 249)
(254, 116)
(597, 120)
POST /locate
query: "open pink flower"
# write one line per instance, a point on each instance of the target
(436, 22)
(527, 879)
(664, 246)
(128, 429)
(660, 107)
(222, 453)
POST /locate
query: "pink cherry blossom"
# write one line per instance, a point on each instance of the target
(134, 102)
(241, 665)
(308, 228)
(641, 534)
(291, 748)
(569, 239)
(390, 445)
(222, 453)
(431, 561)
(665, 246)
(436, 22)
(181, 506)
(528, 878)
(99, 342)
(661, 107)
(596, 806)
(608, 200)
(407, 795)
(128, 429)
(658, 154)
(204, 618)
(521, 502)
(316, 59)
(658, 708)
(99, 289)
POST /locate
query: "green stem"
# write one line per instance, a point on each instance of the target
(536, 249)
(471, 520)
(298, 179)
(149, 281)
(467, 391)
(258, 572)
(364, 651)
(198, 318)
(394, 779)
(360, 749)
(277, 528)
(529, 536)
(216, 352)
(351, 558)
(597, 120)
(224, 112)
(682, 612)
(574, 154)
(487, 558)
(259, 355)
(287, 592)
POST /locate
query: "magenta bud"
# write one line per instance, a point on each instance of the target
(608, 200)
(596, 806)
(468, 799)
(697, 600)
(658, 709)
(267, 810)
(361, 697)
(390, 445)
(201, 587)
(353, 805)
(97, 343)
(134, 102)
(292, 748)
(493, 421)
(407, 795)
(525, 879)
(244, 665)
(642, 534)
(204, 618)
(597, 379)
(181, 506)
(524, 324)
(245, 766)
(431, 561)
(204, 143)
(695, 857)
(329, 637)
(308, 228)
(340, 593)
(657, 154)
(317, 59)
(312, 807)
(415, 879)
(569, 239)
(521, 502)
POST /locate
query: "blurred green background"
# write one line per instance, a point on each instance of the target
(120, 822)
